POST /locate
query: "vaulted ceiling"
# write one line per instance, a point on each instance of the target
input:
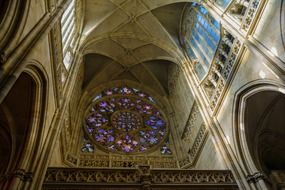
(133, 40)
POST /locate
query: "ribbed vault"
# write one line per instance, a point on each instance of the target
(131, 40)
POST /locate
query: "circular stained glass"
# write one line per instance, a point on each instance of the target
(125, 122)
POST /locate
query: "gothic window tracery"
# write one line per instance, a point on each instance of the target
(200, 37)
(126, 120)
(68, 30)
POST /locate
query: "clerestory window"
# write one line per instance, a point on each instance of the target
(201, 36)
(68, 33)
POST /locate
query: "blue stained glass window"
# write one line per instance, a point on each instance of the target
(200, 71)
(202, 10)
(206, 39)
(125, 120)
(191, 53)
(202, 37)
(215, 23)
(68, 33)
(198, 50)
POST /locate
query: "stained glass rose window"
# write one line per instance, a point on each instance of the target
(125, 120)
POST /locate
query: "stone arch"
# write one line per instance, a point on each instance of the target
(22, 115)
(257, 128)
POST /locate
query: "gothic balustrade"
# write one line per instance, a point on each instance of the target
(120, 161)
(221, 68)
(242, 11)
(137, 177)
(251, 7)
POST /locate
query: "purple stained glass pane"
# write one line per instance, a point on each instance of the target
(103, 104)
(142, 140)
(90, 130)
(159, 123)
(153, 140)
(100, 138)
(111, 138)
(142, 149)
(101, 131)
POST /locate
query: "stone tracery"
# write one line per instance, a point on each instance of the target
(125, 120)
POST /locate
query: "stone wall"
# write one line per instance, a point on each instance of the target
(210, 157)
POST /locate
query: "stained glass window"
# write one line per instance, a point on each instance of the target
(68, 30)
(124, 90)
(165, 149)
(125, 120)
(201, 35)
(87, 147)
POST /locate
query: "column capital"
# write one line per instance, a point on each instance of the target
(23, 175)
(255, 177)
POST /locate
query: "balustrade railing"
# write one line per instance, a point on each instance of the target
(222, 66)
(121, 161)
(137, 177)
(243, 11)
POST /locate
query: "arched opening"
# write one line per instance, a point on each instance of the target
(3, 8)
(16, 117)
(264, 125)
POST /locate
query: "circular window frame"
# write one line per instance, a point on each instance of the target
(105, 149)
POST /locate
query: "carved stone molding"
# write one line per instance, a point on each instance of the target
(57, 56)
(250, 14)
(121, 161)
(244, 12)
(255, 177)
(186, 135)
(192, 176)
(143, 177)
(174, 73)
(195, 149)
(221, 69)
(71, 159)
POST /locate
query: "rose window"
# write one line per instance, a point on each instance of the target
(125, 120)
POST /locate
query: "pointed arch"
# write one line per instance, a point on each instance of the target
(22, 115)
(254, 104)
